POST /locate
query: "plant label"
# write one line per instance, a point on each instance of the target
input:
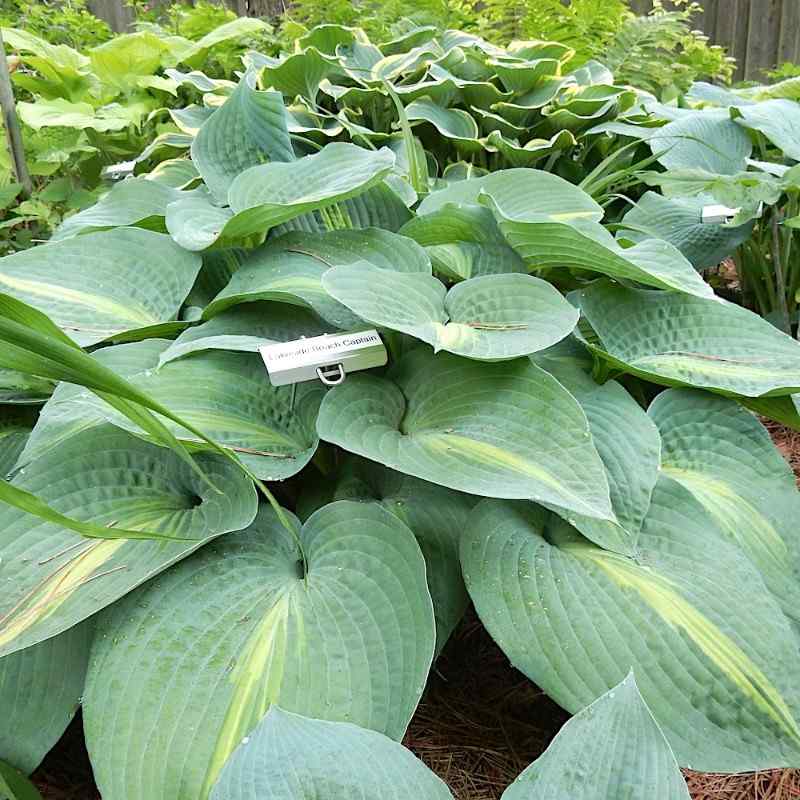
(326, 358)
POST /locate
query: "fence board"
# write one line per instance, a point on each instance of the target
(759, 34)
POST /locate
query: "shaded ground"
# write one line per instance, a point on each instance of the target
(479, 725)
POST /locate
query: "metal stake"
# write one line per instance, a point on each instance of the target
(13, 132)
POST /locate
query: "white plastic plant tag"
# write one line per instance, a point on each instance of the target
(326, 358)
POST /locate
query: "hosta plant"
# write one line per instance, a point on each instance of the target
(246, 585)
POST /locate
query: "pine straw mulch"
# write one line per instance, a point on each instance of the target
(480, 723)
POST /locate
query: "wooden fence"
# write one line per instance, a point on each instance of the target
(759, 34)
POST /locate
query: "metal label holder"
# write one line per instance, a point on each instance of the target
(329, 358)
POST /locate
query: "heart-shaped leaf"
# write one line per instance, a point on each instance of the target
(187, 666)
(778, 120)
(288, 756)
(70, 281)
(713, 655)
(54, 579)
(711, 343)
(435, 515)
(611, 749)
(502, 430)
(490, 318)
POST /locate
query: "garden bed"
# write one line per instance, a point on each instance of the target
(479, 725)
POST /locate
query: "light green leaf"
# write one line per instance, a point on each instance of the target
(778, 120)
(246, 328)
(502, 430)
(490, 318)
(40, 691)
(196, 53)
(103, 284)
(710, 343)
(15, 786)
(250, 129)
(679, 221)
(707, 140)
(205, 650)
(452, 123)
(288, 756)
(62, 113)
(109, 478)
(714, 657)
(123, 59)
(296, 73)
(611, 749)
(724, 456)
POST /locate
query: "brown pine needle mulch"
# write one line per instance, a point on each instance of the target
(480, 723)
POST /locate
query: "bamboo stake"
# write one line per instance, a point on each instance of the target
(13, 132)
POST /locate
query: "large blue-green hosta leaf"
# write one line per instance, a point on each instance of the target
(678, 220)
(246, 328)
(134, 201)
(271, 429)
(54, 578)
(724, 456)
(250, 129)
(289, 756)
(611, 749)
(708, 343)
(265, 196)
(714, 656)
(707, 140)
(778, 120)
(463, 242)
(40, 691)
(503, 430)
(492, 317)
(100, 285)
(629, 446)
(186, 667)
(435, 515)
(552, 223)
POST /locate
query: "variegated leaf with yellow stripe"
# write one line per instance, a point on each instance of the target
(724, 456)
(53, 578)
(183, 669)
(714, 656)
(101, 285)
(507, 429)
